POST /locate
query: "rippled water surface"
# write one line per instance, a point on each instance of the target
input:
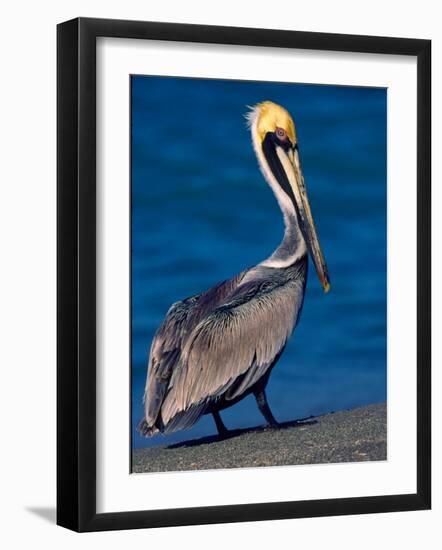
(201, 212)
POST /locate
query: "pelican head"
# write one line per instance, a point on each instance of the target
(276, 147)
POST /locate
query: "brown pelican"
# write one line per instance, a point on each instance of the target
(215, 348)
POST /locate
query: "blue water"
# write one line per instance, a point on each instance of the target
(201, 212)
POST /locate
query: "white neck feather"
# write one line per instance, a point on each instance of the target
(293, 245)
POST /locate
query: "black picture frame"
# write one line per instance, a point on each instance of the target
(76, 273)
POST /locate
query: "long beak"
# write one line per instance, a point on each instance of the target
(292, 168)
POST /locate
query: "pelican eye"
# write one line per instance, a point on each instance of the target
(281, 134)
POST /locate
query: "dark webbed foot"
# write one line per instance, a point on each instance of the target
(222, 430)
(274, 424)
(261, 400)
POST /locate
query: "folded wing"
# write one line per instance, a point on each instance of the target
(168, 342)
(232, 347)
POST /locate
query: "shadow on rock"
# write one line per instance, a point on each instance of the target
(236, 433)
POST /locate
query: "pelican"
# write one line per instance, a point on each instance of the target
(217, 347)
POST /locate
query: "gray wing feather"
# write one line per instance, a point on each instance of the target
(239, 339)
(164, 355)
(167, 344)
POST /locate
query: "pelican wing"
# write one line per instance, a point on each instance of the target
(231, 349)
(170, 338)
(164, 355)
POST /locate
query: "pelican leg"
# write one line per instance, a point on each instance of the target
(261, 400)
(222, 430)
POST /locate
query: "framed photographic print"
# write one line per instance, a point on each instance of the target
(243, 274)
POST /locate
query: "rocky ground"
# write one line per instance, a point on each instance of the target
(347, 436)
